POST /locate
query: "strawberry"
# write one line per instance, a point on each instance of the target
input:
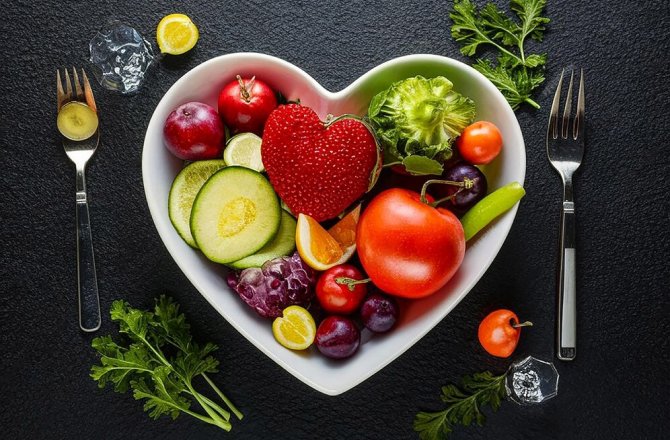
(318, 168)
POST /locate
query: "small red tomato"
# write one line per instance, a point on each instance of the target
(499, 332)
(479, 143)
(245, 104)
(407, 247)
(341, 289)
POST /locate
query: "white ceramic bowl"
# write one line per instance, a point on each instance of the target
(203, 83)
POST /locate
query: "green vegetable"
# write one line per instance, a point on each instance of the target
(463, 405)
(517, 73)
(417, 120)
(490, 207)
(158, 360)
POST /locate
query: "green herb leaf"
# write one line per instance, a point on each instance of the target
(421, 165)
(158, 360)
(464, 405)
(517, 73)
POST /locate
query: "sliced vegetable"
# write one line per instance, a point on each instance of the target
(184, 188)
(235, 214)
(282, 244)
(490, 207)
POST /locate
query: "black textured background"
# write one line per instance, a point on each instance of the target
(616, 388)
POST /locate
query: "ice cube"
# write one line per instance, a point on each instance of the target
(120, 57)
(531, 380)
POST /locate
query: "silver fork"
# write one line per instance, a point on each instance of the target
(565, 149)
(80, 152)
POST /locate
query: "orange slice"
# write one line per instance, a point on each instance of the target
(296, 329)
(322, 249)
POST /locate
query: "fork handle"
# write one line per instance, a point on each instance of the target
(566, 346)
(89, 302)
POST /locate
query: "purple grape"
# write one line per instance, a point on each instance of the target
(466, 197)
(379, 313)
(280, 283)
(337, 337)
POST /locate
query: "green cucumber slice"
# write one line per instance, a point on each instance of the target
(234, 215)
(490, 207)
(282, 244)
(183, 191)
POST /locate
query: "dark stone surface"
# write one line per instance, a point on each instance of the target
(616, 388)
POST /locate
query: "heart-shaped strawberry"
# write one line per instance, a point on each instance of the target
(318, 168)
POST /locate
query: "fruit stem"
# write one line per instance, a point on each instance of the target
(523, 324)
(465, 184)
(246, 88)
(350, 282)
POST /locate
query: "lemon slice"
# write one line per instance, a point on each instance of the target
(176, 34)
(244, 150)
(321, 249)
(296, 329)
(77, 121)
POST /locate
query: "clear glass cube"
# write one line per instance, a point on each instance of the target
(531, 381)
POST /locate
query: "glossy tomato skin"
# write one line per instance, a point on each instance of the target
(245, 107)
(496, 334)
(336, 297)
(480, 143)
(407, 247)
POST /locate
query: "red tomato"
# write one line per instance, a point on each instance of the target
(407, 247)
(245, 104)
(338, 290)
(479, 143)
(499, 332)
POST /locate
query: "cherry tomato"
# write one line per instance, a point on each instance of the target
(341, 289)
(499, 332)
(408, 248)
(479, 143)
(245, 104)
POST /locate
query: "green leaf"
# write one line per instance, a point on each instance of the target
(421, 165)
(158, 360)
(517, 73)
(464, 405)
(530, 11)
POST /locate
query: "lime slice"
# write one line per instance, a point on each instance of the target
(244, 150)
(184, 188)
(176, 34)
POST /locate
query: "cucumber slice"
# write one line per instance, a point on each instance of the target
(244, 150)
(282, 244)
(183, 191)
(234, 215)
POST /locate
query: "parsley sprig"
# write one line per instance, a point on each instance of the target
(464, 405)
(516, 73)
(158, 360)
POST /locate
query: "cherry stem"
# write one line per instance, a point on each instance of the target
(350, 282)
(465, 184)
(523, 324)
(245, 88)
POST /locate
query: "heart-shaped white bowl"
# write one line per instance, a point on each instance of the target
(203, 84)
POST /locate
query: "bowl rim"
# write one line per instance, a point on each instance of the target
(161, 220)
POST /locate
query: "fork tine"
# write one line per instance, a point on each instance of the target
(553, 115)
(578, 126)
(88, 92)
(77, 85)
(68, 86)
(60, 94)
(567, 110)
